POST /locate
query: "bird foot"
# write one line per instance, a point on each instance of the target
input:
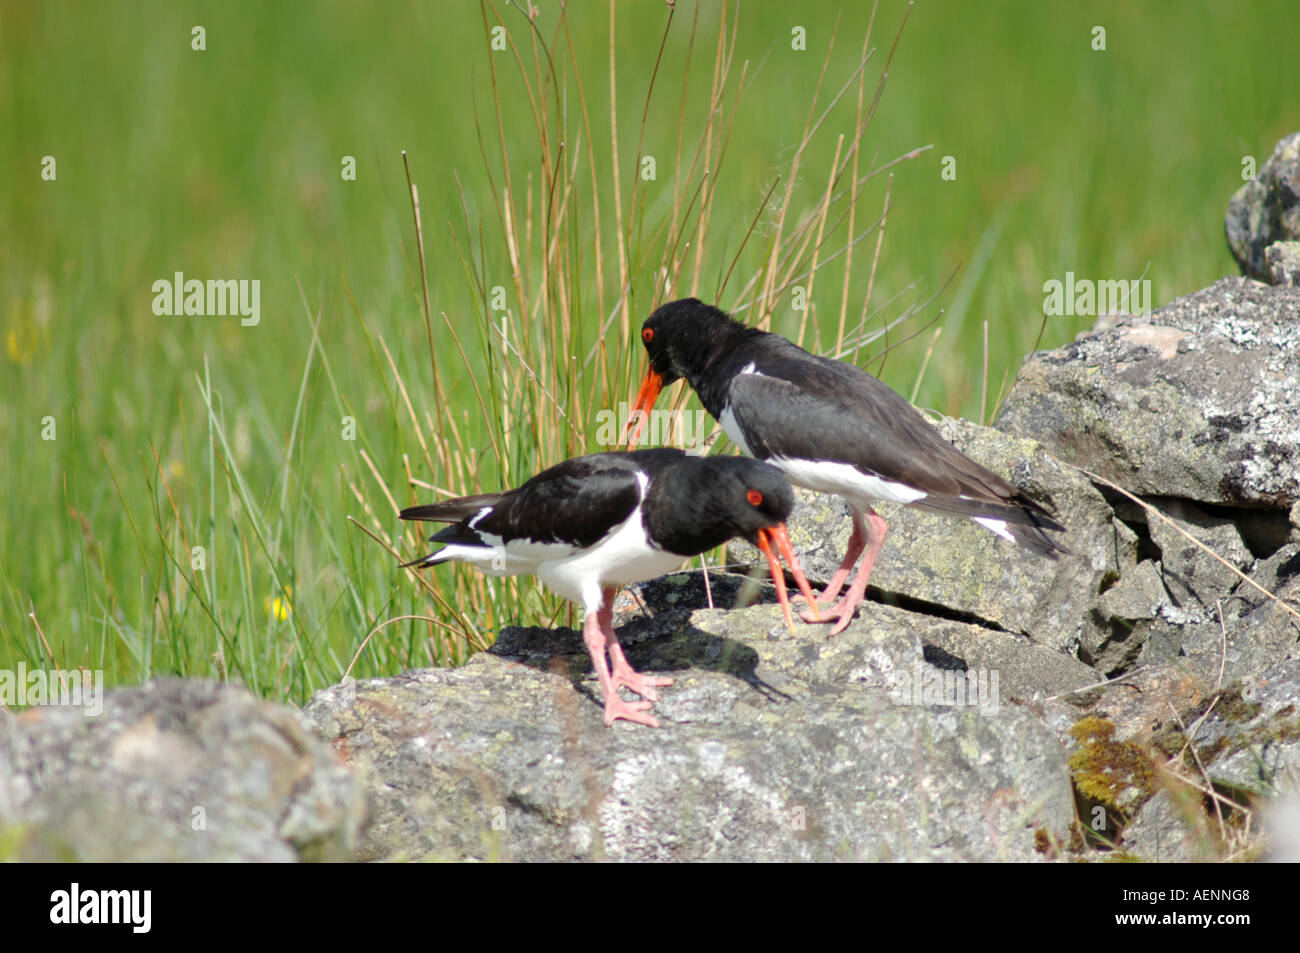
(644, 685)
(638, 712)
(823, 614)
(845, 618)
(841, 614)
(807, 616)
(826, 597)
(621, 672)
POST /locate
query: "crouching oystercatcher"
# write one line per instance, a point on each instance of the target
(831, 427)
(592, 523)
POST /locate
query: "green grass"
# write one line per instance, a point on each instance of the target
(181, 432)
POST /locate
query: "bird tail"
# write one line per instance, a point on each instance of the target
(430, 560)
(1018, 519)
(1033, 536)
(450, 511)
(457, 538)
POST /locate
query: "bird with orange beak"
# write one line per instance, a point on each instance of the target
(833, 428)
(588, 525)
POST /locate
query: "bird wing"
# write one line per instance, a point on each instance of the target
(576, 502)
(841, 414)
(843, 417)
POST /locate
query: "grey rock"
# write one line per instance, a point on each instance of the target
(1027, 671)
(1242, 738)
(1268, 767)
(1124, 615)
(1183, 602)
(772, 748)
(1171, 827)
(1138, 596)
(1283, 261)
(175, 770)
(1199, 400)
(1248, 632)
(1142, 705)
(1260, 753)
(1245, 733)
(722, 588)
(1192, 576)
(1266, 209)
(15, 789)
(966, 570)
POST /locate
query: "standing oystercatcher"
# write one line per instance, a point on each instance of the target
(592, 523)
(831, 427)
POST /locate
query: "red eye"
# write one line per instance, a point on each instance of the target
(647, 335)
(754, 497)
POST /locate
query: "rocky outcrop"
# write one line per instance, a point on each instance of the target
(1194, 409)
(1263, 220)
(1198, 400)
(773, 748)
(1283, 262)
(175, 770)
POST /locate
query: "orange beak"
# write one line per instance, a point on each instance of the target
(776, 534)
(644, 403)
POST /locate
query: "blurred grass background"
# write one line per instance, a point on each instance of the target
(175, 432)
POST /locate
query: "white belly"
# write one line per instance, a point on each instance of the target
(845, 480)
(731, 428)
(623, 556)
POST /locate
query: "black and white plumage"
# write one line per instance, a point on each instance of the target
(592, 523)
(832, 427)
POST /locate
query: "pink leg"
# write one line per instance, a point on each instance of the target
(625, 674)
(597, 634)
(622, 673)
(857, 541)
(844, 609)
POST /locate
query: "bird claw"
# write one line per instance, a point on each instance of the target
(622, 673)
(643, 685)
(638, 712)
(844, 619)
(840, 614)
(807, 616)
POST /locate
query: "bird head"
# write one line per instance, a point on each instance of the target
(679, 341)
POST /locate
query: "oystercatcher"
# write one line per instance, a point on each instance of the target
(831, 427)
(592, 523)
